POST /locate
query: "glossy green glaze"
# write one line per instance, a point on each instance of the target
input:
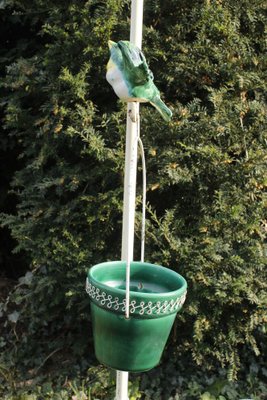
(132, 344)
(157, 294)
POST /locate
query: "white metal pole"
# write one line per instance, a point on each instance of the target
(132, 129)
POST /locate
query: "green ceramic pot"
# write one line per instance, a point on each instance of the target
(156, 295)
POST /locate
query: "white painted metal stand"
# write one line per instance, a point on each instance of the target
(132, 129)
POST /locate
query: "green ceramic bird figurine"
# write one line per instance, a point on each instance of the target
(131, 78)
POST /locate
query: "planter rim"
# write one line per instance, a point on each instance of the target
(142, 304)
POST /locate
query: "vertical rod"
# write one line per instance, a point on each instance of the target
(137, 22)
(132, 128)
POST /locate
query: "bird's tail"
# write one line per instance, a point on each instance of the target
(162, 108)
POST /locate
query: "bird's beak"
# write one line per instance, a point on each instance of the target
(111, 44)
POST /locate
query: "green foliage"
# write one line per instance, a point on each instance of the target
(169, 382)
(206, 173)
(98, 384)
(172, 381)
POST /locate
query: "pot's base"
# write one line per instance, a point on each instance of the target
(134, 344)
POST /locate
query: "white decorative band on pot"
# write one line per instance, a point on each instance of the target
(105, 300)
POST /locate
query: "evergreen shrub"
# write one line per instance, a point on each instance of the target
(206, 170)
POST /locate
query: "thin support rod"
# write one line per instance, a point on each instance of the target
(143, 225)
(130, 195)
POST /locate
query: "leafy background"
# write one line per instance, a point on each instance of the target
(62, 156)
